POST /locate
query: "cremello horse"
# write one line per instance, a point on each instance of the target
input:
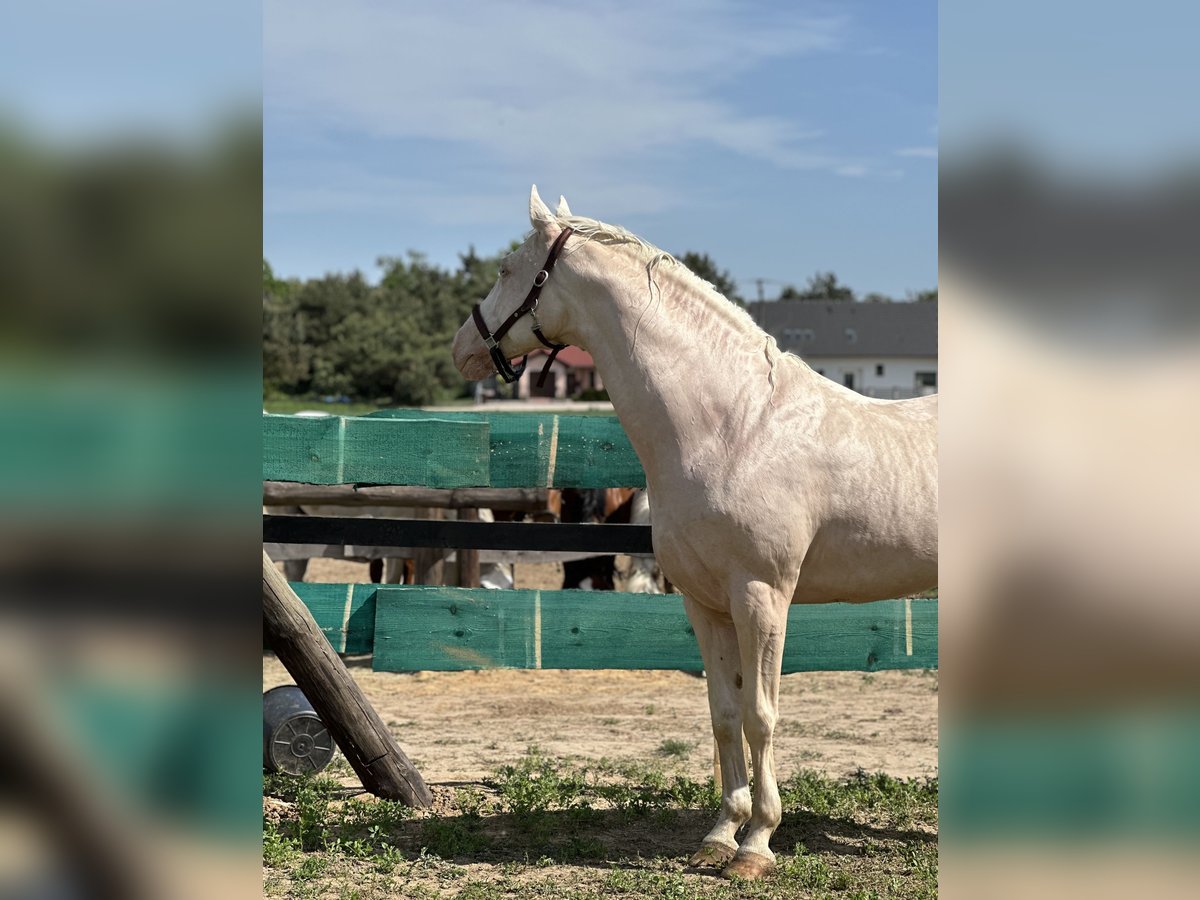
(768, 484)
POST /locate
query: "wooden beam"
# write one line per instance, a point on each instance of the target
(287, 493)
(358, 552)
(448, 450)
(468, 559)
(289, 630)
(537, 448)
(345, 613)
(444, 628)
(427, 452)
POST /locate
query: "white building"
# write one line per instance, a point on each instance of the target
(884, 350)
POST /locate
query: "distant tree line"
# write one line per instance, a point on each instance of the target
(339, 335)
(821, 286)
(390, 342)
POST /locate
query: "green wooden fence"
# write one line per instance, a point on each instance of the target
(414, 627)
(449, 450)
(409, 628)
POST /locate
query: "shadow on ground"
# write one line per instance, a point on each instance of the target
(612, 838)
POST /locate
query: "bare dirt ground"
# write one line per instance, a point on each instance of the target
(462, 726)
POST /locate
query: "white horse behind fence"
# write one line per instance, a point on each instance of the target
(641, 576)
(768, 484)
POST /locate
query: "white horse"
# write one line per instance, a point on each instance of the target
(768, 484)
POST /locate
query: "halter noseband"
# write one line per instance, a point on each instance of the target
(504, 368)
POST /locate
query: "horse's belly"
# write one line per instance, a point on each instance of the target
(843, 571)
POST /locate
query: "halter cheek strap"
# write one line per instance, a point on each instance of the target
(504, 368)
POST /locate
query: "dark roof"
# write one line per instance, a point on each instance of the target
(816, 328)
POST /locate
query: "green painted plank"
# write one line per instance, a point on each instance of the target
(442, 628)
(178, 747)
(345, 612)
(427, 451)
(1120, 771)
(549, 450)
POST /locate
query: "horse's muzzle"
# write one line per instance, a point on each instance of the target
(470, 355)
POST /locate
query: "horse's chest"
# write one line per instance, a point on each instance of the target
(699, 554)
(702, 576)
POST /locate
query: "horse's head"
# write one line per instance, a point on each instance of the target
(519, 273)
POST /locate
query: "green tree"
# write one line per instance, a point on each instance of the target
(300, 352)
(821, 286)
(703, 265)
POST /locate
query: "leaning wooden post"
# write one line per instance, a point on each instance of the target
(298, 641)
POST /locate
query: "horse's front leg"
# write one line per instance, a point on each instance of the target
(722, 661)
(760, 616)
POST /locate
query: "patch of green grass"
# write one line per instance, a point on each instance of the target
(551, 829)
(451, 838)
(310, 868)
(836, 734)
(903, 802)
(537, 784)
(279, 850)
(805, 870)
(674, 747)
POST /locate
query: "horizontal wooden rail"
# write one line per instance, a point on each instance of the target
(428, 452)
(358, 553)
(345, 613)
(412, 628)
(451, 450)
(287, 493)
(456, 535)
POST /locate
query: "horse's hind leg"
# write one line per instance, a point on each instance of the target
(722, 662)
(760, 616)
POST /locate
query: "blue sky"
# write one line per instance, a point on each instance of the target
(781, 138)
(76, 71)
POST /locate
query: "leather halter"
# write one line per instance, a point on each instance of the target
(504, 368)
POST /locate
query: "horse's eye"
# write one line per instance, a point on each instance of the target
(504, 271)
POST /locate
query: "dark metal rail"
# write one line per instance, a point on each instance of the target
(453, 535)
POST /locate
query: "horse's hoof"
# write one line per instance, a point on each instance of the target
(749, 866)
(712, 855)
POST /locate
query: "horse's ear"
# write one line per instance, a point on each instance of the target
(563, 209)
(539, 213)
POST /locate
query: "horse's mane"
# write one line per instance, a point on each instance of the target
(652, 257)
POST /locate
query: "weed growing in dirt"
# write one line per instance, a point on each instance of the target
(674, 747)
(904, 802)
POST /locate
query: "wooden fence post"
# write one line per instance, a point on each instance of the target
(293, 634)
(468, 559)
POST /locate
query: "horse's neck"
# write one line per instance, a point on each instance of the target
(682, 372)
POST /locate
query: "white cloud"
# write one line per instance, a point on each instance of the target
(324, 188)
(919, 152)
(583, 85)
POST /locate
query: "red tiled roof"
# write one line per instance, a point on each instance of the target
(573, 358)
